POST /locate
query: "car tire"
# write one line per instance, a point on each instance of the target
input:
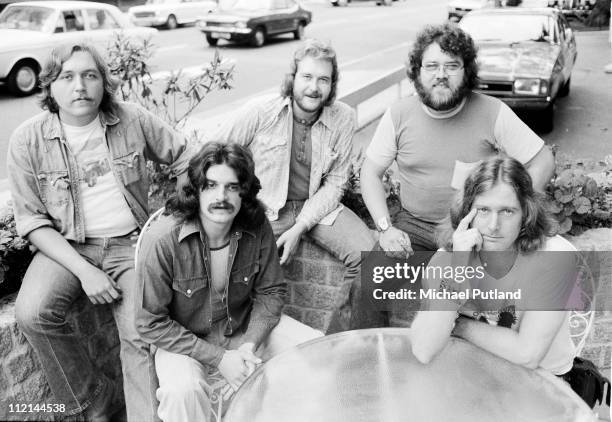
(171, 22)
(211, 41)
(23, 79)
(547, 119)
(259, 37)
(335, 3)
(565, 89)
(298, 34)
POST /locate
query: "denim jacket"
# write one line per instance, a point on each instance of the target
(44, 176)
(265, 126)
(173, 302)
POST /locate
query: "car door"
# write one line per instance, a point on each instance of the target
(279, 21)
(70, 26)
(569, 46)
(101, 25)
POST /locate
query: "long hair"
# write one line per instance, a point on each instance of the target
(185, 204)
(536, 223)
(453, 41)
(53, 67)
(317, 50)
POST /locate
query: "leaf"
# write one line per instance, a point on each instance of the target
(590, 188)
(582, 205)
(565, 226)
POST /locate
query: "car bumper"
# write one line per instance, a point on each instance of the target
(152, 21)
(523, 103)
(212, 30)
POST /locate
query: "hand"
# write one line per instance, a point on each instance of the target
(250, 348)
(234, 367)
(289, 241)
(396, 243)
(465, 238)
(460, 327)
(98, 285)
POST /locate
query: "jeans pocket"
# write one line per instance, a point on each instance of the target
(128, 167)
(54, 189)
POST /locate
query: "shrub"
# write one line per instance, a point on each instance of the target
(15, 254)
(580, 194)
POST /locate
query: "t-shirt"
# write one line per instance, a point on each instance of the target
(434, 153)
(105, 209)
(300, 161)
(544, 281)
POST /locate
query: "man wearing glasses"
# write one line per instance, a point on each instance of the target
(436, 137)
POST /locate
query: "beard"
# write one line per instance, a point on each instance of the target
(442, 101)
(305, 102)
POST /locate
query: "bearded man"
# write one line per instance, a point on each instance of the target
(437, 137)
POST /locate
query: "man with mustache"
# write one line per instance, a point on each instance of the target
(211, 289)
(436, 137)
(301, 143)
(78, 178)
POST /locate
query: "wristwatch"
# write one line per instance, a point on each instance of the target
(383, 224)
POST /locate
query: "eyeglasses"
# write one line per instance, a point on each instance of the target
(451, 68)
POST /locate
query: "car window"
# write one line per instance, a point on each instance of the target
(73, 20)
(509, 28)
(101, 19)
(30, 18)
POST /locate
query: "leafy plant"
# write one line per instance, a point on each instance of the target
(15, 254)
(580, 194)
(173, 99)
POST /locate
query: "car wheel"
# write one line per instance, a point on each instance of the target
(171, 23)
(211, 41)
(259, 38)
(565, 89)
(335, 3)
(298, 34)
(23, 79)
(547, 122)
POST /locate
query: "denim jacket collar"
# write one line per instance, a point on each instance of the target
(52, 126)
(325, 118)
(193, 226)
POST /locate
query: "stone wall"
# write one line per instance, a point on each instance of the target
(21, 377)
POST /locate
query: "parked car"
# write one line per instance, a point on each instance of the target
(457, 9)
(525, 56)
(29, 30)
(170, 13)
(346, 2)
(254, 21)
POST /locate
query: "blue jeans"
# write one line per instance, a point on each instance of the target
(47, 293)
(345, 239)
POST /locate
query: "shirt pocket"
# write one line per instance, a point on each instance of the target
(128, 167)
(54, 189)
(329, 157)
(188, 287)
(245, 274)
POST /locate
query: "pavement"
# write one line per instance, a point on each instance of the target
(594, 48)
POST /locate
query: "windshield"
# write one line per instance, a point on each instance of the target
(508, 28)
(244, 4)
(30, 18)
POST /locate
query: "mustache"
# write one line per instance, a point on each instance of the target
(223, 205)
(441, 82)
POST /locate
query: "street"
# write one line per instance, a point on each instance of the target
(368, 39)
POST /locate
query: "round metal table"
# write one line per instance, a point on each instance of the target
(371, 375)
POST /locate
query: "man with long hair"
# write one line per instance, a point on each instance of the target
(301, 143)
(211, 289)
(78, 179)
(498, 225)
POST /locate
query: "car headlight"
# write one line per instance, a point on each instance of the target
(530, 86)
(241, 24)
(201, 23)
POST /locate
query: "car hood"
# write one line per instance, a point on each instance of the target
(528, 59)
(235, 15)
(17, 39)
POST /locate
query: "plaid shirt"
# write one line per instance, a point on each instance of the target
(265, 126)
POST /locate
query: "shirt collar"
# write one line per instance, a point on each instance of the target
(52, 126)
(193, 226)
(325, 118)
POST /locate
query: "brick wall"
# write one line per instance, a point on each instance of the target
(21, 377)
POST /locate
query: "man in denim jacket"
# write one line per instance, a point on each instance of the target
(302, 142)
(211, 289)
(78, 177)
